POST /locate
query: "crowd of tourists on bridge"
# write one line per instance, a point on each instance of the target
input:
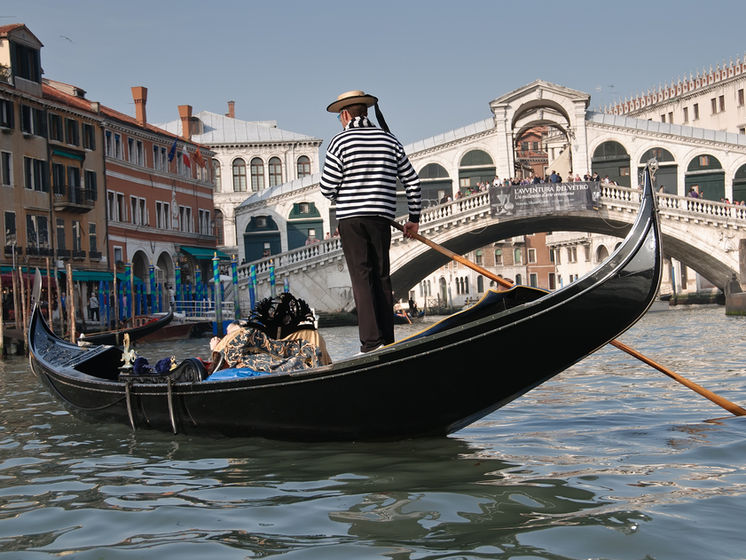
(696, 192)
(553, 177)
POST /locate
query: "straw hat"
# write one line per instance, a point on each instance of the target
(351, 98)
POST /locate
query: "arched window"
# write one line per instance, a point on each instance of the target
(257, 174)
(216, 173)
(219, 227)
(239, 175)
(303, 166)
(275, 171)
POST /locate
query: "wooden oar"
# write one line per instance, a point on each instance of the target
(718, 400)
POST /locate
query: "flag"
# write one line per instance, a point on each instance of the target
(185, 155)
(198, 158)
(172, 152)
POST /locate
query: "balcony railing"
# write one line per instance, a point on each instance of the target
(75, 199)
(32, 251)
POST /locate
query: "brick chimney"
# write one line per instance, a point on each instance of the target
(185, 112)
(231, 110)
(140, 95)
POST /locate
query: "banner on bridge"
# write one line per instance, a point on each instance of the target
(543, 198)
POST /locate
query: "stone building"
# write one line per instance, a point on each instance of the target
(250, 157)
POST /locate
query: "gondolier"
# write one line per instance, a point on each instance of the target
(362, 165)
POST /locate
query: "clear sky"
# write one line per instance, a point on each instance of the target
(434, 64)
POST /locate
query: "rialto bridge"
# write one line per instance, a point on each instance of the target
(278, 221)
(709, 237)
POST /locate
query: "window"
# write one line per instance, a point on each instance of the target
(6, 113)
(26, 63)
(275, 171)
(695, 109)
(91, 189)
(115, 206)
(663, 117)
(131, 149)
(552, 281)
(185, 219)
(204, 222)
(118, 151)
(89, 137)
(524, 146)
(480, 284)
(498, 256)
(670, 118)
(721, 99)
(37, 234)
(139, 211)
(72, 132)
(533, 280)
(714, 105)
(73, 182)
(704, 161)
(517, 256)
(216, 174)
(239, 175)
(33, 121)
(118, 254)
(76, 241)
(58, 178)
(55, 128)
(303, 166)
(532, 256)
(60, 234)
(686, 114)
(139, 153)
(518, 279)
(113, 144)
(572, 254)
(219, 227)
(35, 174)
(739, 95)
(92, 238)
(6, 169)
(10, 228)
(257, 174)
(479, 257)
(161, 214)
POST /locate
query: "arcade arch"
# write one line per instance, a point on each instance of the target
(667, 174)
(435, 183)
(476, 166)
(610, 159)
(261, 238)
(304, 225)
(706, 173)
(739, 184)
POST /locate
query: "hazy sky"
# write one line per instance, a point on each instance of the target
(435, 65)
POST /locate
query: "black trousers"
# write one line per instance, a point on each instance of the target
(366, 243)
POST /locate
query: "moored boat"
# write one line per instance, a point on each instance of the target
(434, 383)
(149, 325)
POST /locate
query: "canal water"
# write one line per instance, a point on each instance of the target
(610, 459)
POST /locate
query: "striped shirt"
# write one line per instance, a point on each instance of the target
(362, 165)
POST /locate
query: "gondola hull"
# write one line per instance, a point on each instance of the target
(432, 384)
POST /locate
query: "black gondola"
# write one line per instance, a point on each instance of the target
(116, 337)
(434, 383)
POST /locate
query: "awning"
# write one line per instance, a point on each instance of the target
(67, 154)
(204, 253)
(92, 276)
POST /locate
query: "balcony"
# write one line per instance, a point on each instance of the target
(9, 250)
(95, 255)
(78, 254)
(32, 251)
(73, 199)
